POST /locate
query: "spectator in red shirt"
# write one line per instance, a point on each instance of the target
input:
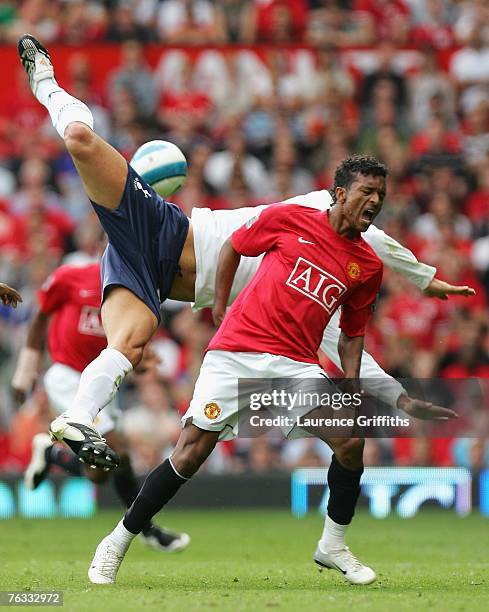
(10, 227)
(275, 21)
(42, 224)
(433, 27)
(383, 20)
(82, 23)
(471, 357)
(414, 316)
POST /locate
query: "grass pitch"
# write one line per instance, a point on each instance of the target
(257, 560)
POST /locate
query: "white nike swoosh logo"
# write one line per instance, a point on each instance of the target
(303, 241)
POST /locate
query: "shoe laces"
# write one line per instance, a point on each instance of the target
(107, 561)
(348, 559)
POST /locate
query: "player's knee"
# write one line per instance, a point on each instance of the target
(350, 453)
(132, 352)
(186, 462)
(188, 459)
(79, 140)
(131, 344)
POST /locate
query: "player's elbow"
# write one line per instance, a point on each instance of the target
(79, 140)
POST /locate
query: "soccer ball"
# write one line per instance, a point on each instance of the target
(162, 165)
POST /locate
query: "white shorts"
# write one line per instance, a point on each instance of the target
(216, 403)
(61, 384)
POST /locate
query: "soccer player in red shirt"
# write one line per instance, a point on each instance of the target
(69, 315)
(314, 262)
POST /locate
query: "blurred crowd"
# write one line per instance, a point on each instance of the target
(344, 23)
(260, 124)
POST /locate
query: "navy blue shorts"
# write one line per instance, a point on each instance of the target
(146, 238)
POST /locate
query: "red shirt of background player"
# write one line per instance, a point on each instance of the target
(308, 271)
(72, 296)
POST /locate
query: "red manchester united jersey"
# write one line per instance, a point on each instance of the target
(307, 273)
(72, 296)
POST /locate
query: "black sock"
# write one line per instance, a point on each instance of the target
(344, 489)
(159, 487)
(64, 458)
(125, 482)
(126, 485)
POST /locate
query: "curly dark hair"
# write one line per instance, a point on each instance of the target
(357, 164)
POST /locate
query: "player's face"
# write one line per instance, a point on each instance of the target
(362, 201)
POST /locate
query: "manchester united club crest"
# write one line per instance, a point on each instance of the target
(212, 411)
(353, 270)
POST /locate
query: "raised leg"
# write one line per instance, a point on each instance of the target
(102, 169)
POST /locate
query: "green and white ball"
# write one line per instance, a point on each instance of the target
(162, 165)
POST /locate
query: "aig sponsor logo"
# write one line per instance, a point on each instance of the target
(316, 284)
(90, 322)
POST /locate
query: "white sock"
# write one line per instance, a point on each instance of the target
(121, 536)
(333, 536)
(63, 108)
(99, 383)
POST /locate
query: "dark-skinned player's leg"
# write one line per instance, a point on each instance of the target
(46, 454)
(128, 320)
(127, 487)
(193, 447)
(344, 475)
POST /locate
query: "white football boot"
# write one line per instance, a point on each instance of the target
(345, 562)
(106, 561)
(39, 465)
(85, 442)
(35, 60)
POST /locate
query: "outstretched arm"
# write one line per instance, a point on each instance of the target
(399, 258)
(441, 289)
(402, 260)
(227, 264)
(27, 369)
